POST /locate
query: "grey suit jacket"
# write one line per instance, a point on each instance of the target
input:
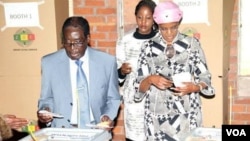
(56, 91)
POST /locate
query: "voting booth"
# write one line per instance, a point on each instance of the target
(29, 29)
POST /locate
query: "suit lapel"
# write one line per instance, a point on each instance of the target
(92, 70)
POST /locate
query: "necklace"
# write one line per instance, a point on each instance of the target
(170, 51)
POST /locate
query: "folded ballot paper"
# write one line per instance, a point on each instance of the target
(68, 134)
(179, 78)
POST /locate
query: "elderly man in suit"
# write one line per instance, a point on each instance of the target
(59, 92)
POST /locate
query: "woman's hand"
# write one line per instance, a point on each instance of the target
(126, 68)
(158, 81)
(15, 122)
(161, 82)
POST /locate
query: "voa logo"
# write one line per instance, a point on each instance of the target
(236, 132)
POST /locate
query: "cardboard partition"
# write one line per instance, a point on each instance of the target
(29, 29)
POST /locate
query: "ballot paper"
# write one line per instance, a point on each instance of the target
(179, 78)
(55, 115)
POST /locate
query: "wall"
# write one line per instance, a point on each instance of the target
(228, 10)
(240, 104)
(102, 17)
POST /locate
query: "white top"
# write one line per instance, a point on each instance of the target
(128, 50)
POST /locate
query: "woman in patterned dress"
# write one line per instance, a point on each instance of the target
(171, 112)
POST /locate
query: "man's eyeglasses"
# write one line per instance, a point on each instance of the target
(75, 44)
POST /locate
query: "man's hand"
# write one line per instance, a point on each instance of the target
(109, 124)
(43, 117)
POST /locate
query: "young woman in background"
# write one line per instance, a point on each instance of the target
(127, 52)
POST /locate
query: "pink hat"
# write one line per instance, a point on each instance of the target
(167, 12)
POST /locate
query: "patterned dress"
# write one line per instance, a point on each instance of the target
(169, 117)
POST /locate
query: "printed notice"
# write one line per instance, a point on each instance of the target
(23, 14)
(194, 11)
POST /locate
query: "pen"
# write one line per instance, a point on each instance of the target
(33, 136)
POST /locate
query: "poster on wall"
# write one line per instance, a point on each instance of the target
(194, 11)
(21, 14)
